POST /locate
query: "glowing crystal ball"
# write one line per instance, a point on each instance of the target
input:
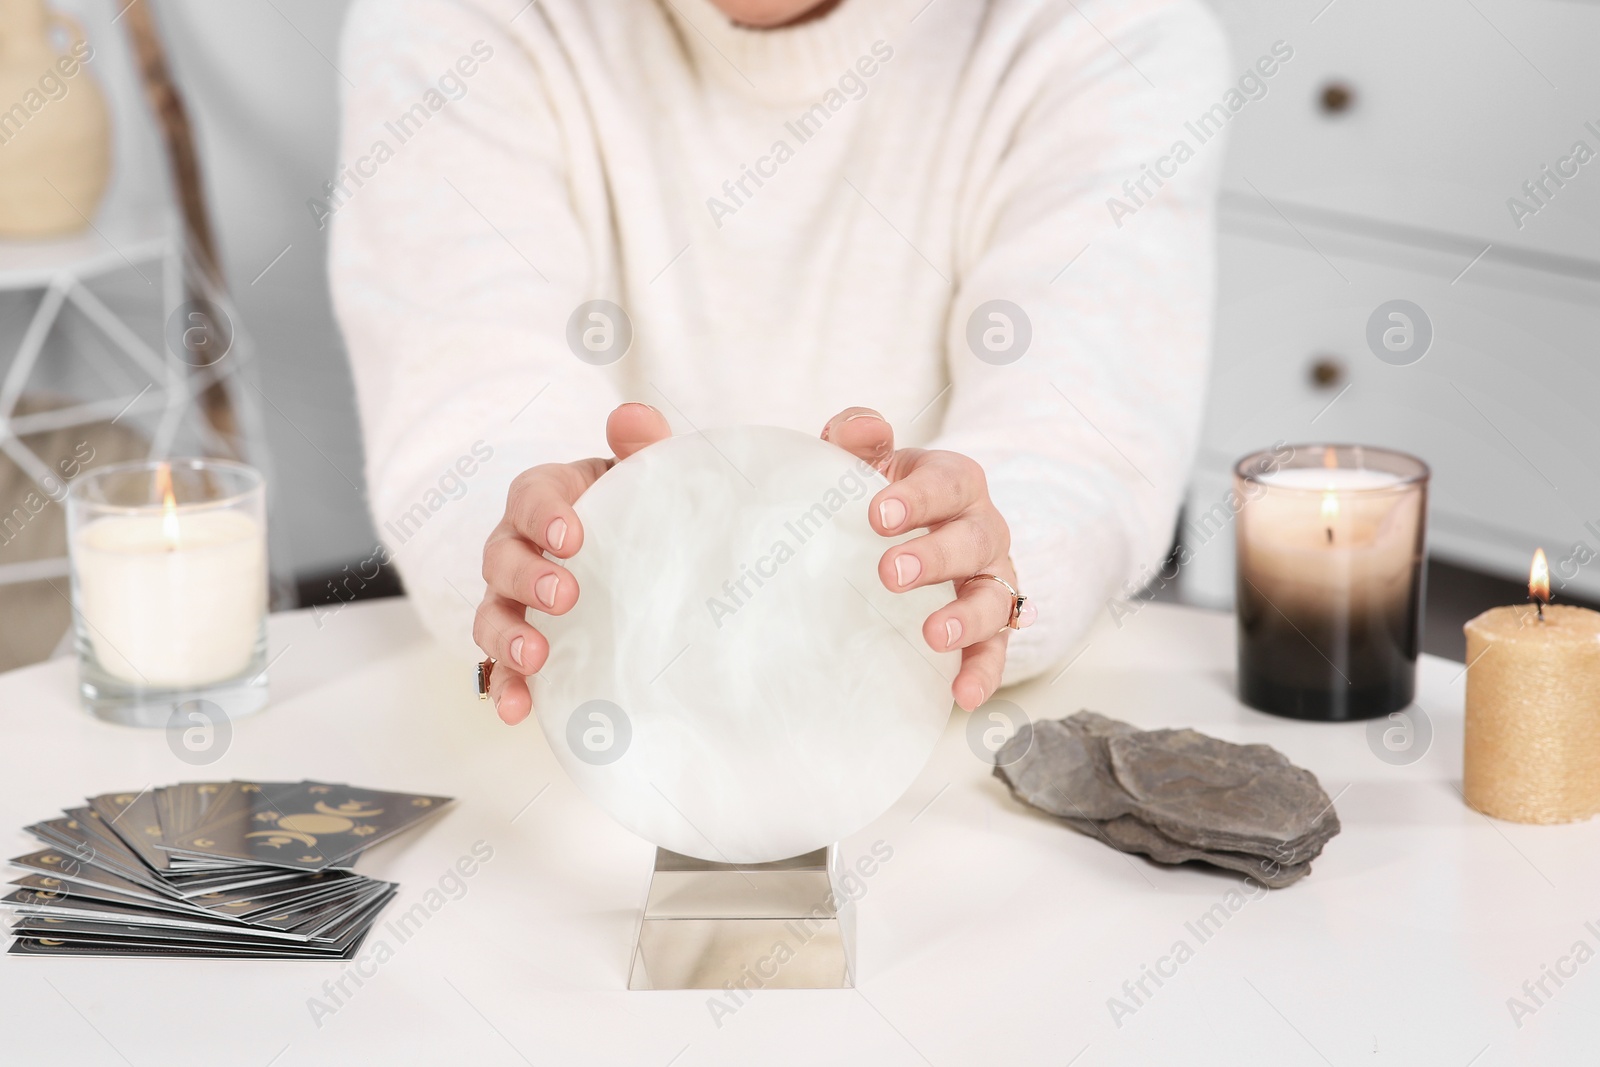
(735, 682)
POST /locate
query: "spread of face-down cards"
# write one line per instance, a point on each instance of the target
(219, 870)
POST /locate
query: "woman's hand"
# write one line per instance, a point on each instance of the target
(947, 493)
(539, 519)
(944, 491)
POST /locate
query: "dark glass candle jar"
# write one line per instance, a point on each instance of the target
(1330, 572)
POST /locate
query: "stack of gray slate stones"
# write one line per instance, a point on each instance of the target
(1173, 795)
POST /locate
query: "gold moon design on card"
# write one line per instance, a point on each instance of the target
(324, 822)
(278, 838)
(350, 809)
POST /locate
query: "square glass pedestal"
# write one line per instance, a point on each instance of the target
(778, 925)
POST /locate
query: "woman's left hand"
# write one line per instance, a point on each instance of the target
(947, 493)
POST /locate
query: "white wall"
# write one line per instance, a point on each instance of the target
(263, 93)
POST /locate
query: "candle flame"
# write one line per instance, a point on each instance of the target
(169, 504)
(1330, 499)
(1539, 578)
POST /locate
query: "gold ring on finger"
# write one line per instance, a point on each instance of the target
(1017, 599)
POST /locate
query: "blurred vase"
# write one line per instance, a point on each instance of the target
(54, 127)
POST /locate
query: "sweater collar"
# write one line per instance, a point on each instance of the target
(794, 63)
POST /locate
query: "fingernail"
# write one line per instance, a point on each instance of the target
(516, 651)
(891, 513)
(545, 589)
(1027, 615)
(641, 404)
(952, 632)
(906, 568)
(863, 415)
(556, 534)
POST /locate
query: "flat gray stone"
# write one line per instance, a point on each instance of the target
(1127, 833)
(1065, 769)
(1174, 795)
(1213, 794)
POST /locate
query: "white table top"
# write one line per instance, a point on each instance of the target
(993, 935)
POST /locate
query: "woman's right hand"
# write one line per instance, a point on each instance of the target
(539, 519)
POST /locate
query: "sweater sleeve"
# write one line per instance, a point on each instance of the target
(1087, 438)
(459, 251)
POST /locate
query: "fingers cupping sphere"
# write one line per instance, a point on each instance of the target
(957, 549)
(512, 700)
(633, 426)
(936, 487)
(500, 627)
(863, 433)
(979, 611)
(981, 667)
(513, 568)
(539, 504)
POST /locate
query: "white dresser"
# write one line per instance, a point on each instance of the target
(1378, 166)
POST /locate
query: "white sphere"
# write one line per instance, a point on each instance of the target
(735, 683)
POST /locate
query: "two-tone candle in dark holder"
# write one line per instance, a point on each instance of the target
(1330, 576)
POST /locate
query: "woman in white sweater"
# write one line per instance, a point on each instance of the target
(926, 223)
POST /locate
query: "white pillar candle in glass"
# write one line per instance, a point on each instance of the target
(169, 576)
(1330, 563)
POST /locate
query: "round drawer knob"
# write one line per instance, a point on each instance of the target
(1327, 372)
(1336, 98)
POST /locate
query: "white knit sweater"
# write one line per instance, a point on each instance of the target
(794, 221)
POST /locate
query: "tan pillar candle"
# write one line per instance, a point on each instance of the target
(1533, 710)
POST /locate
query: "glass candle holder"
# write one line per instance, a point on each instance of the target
(169, 588)
(1330, 542)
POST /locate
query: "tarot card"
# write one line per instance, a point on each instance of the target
(238, 936)
(29, 905)
(70, 836)
(29, 946)
(183, 807)
(250, 900)
(289, 926)
(320, 917)
(56, 863)
(132, 817)
(307, 825)
(231, 879)
(40, 887)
